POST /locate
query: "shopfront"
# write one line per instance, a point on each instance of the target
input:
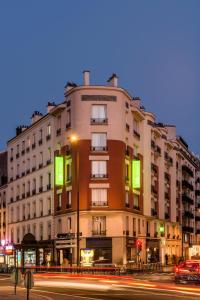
(33, 253)
(101, 250)
(152, 250)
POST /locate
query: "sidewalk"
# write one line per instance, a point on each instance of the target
(7, 293)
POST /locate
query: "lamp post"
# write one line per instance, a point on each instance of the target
(74, 140)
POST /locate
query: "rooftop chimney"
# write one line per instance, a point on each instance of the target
(136, 102)
(113, 80)
(36, 116)
(50, 105)
(68, 86)
(86, 77)
(20, 129)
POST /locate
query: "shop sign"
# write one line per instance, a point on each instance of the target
(87, 257)
(9, 250)
(130, 242)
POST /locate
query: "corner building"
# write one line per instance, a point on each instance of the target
(126, 167)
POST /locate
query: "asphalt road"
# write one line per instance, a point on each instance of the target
(90, 288)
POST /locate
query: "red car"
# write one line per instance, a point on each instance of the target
(188, 272)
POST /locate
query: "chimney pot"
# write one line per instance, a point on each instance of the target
(113, 80)
(86, 77)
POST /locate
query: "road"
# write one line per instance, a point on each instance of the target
(65, 287)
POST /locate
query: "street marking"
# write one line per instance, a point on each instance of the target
(70, 295)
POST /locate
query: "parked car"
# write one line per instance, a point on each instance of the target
(188, 272)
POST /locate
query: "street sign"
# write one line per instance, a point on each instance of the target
(16, 277)
(29, 281)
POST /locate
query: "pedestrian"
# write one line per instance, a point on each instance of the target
(166, 259)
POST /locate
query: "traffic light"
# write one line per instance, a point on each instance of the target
(139, 246)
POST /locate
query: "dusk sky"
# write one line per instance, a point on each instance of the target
(152, 45)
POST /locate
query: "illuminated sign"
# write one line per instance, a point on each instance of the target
(162, 229)
(87, 257)
(136, 174)
(59, 171)
(9, 249)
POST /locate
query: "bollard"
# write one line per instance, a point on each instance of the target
(28, 283)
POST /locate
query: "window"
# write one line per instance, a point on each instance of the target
(127, 173)
(99, 141)
(99, 197)
(99, 169)
(49, 129)
(41, 231)
(139, 226)
(49, 230)
(34, 209)
(49, 205)
(68, 119)
(59, 200)
(68, 170)
(49, 154)
(69, 198)
(69, 224)
(127, 223)
(59, 226)
(34, 139)
(34, 229)
(136, 128)
(41, 159)
(135, 201)
(134, 227)
(126, 198)
(41, 207)
(99, 225)
(23, 145)
(99, 114)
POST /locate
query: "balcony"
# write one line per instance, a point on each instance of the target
(187, 170)
(187, 199)
(23, 152)
(127, 127)
(33, 169)
(186, 184)
(48, 187)
(40, 189)
(154, 169)
(40, 142)
(58, 132)
(167, 216)
(99, 148)
(99, 176)
(68, 206)
(167, 195)
(188, 229)
(156, 234)
(28, 194)
(198, 231)
(11, 200)
(27, 171)
(23, 196)
(98, 232)
(17, 198)
(17, 155)
(99, 121)
(49, 211)
(100, 203)
(136, 207)
(58, 208)
(33, 191)
(154, 190)
(68, 125)
(158, 150)
(48, 162)
(197, 192)
(197, 218)
(40, 166)
(17, 176)
(33, 146)
(23, 174)
(136, 134)
(153, 145)
(11, 158)
(48, 137)
(188, 214)
(27, 149)
(127, 205)
(154, 212)
(126, 232)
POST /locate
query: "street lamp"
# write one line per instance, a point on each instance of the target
(74, 139)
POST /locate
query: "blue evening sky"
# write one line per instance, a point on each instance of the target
(153, 45)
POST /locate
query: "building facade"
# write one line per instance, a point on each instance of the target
(136, 181)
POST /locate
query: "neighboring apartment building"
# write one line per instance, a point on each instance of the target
(127, 168)
(3, 199)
